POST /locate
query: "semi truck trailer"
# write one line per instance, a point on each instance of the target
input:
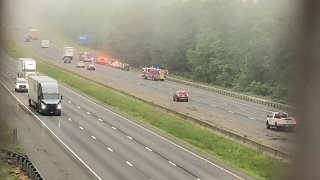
(44, 95)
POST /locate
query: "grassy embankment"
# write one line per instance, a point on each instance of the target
(7, 143)
(243, 158)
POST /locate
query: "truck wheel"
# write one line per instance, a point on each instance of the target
(58, 113)
(268, 125)
(37, 107)
(29, 102)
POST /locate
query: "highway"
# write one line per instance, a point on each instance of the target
(114, 147)
(239, 116)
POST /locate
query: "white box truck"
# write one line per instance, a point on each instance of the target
(45, 43)
(26, 67)
(44, 95)
(67, 54)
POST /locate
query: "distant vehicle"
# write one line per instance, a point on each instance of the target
(162, 74)
(44, 95)
(280, 120)
(21, 85)
(26, 67)
(91, 67)
(45, 43)
(27, 39)
(125, 67)
(33, 33)
(116, 64)
(150, 73)
(180, 96)
(86, 57)
(80, 64)
(102, 60)
(68, 53)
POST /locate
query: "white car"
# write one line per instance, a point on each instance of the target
(21, 84)
(280, 120)
(80, 64)
(45, 44)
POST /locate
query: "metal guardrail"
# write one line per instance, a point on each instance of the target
(24, 163)
(232, 94)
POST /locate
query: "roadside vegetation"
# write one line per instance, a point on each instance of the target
(6, 143)
(245, 46)
(253, 163)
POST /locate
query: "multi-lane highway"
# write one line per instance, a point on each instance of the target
(114, 147)
(240, 116)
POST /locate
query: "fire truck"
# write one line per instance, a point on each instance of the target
(153, 74)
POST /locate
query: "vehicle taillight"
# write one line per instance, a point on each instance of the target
(280, 122)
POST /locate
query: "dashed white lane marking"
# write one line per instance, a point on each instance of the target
(110, 149)
(69, 102)
(89, 113)
(43, 124)
(198, 179)
(100, 120)
(59, 124)
(81, 128)
(212, 105)
(161, 137)
(69, 119)
(149, 149)
(231, 112)
(114, 128)
(172, 163)
(78, 107)
(129, 163)
(251, 118)
(129, 137)
(93, 137)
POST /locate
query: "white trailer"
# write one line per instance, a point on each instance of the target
(67, 55)
(44, 95)
(26, 67)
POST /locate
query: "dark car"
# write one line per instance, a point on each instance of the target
(180, 96)
(91, 67)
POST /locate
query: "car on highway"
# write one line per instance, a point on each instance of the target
(180, 95)
(27, 39)
(80, 64)
(280, 120)
(91, 67)
(21, 85)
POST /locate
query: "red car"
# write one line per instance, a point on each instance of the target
(101, 60)
(180, 96)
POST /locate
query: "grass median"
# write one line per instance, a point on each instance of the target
(252, 162)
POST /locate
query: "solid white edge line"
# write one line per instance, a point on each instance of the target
(172, 163)
(149, 149)
(129, 163)
(43, 124)
(110, 149)
(159, 136)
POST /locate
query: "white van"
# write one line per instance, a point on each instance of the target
(45, 44)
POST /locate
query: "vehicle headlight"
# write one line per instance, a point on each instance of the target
(43, 106)
(59, 106)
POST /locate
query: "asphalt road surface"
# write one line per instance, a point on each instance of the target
(114, 147)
